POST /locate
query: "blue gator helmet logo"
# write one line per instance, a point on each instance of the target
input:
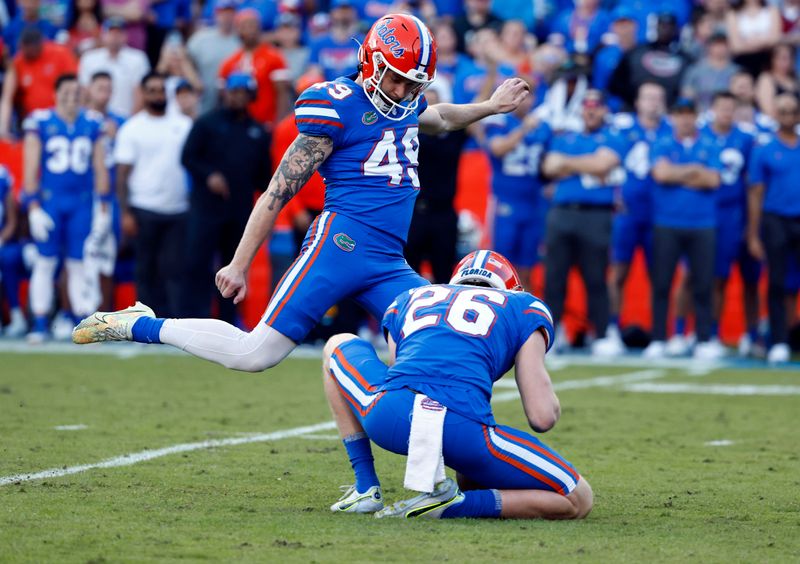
(369, 118)
(386, 34)
(344, 242)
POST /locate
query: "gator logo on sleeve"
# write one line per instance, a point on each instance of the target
(369, 118)
(344, 242)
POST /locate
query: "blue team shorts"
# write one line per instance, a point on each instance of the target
(497, 457)
(628, 233)
(340, 258)
(518, 232)
(729, 235)
(73, 222)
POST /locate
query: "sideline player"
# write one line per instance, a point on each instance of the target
(516, 144)
(361, 133)
(64, 156)
(449, 344)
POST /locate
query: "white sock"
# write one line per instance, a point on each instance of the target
(220, 342)
(83, 288)
(42, 286)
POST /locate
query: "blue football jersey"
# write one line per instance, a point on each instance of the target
(586, 188)
(734, 154)
(515, 175)
(637, 190)
(6, 184)
(682, 206)
(454, 342)
(371, 175)
(66, 164)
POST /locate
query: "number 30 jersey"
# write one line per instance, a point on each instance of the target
(66, 164)
(371, 175)
(454, 342)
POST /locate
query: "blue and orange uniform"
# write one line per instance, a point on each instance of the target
(354, 248)
(481, 330)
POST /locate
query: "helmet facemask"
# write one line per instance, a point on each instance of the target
(388, 108)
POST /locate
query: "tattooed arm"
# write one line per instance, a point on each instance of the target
(301, 160)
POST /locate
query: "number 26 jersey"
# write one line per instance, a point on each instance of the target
(371, 175)
(454, 342)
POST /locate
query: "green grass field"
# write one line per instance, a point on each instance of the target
(662, 492)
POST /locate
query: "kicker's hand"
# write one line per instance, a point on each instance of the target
(509, 95)
(232, 283)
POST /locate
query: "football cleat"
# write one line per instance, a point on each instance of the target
(487, 268)
(678, 345)
(654, 351)
(430, 505)
(609, 346)
(62, 327)
(779, 353)
(354, 502)
(110, 325)
(710, 350)
(400, 43)
(17, 327)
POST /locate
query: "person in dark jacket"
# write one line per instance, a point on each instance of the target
(227, 157)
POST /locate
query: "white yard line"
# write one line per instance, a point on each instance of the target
(715, 389)
(78, 427)
(142, 456)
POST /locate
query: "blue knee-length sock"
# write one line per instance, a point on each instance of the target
(360, 454)
(680, 325)
(715, 329)
(147, 330)
(477, 503)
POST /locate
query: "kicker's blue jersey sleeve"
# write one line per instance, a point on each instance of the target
(734, 154)
(66, 164)
(371, 175)
(481, 330)
(585, 188)
(637, 190)
(6, 183)
(515, 175)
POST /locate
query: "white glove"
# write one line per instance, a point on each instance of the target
(40, 223)
(101, 220)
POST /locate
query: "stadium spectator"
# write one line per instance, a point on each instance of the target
(166, 20)
(133, 14)
(209, 47)
(30, 81)
(779, 78)
(448, 60)
(585, 167)
(175, 66)
(126, 66)
(28, 15)
(265, 64)
(686, 170)
(483, 71)
(515, 44)
(153, 198)
(226, 155)
(620, 40)
(84, 25)
(335, 53)
(633, 222)
(516, 143)
(735, 145)
(562, 105)
(754, 28)
(711, 74)
(11, 263)
(65, 169)
(773, 230)
(477, 15)
(582, 26)
(187, 100)
(661, 61)
(742, 86)
(434, 225)
(288, 37)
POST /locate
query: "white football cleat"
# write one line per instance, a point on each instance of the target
(678, 345)
(609, 346)
(110, 326)
(710, 350)
(654, 351)
(36, 337)
(62, 327)
(430, 505)
(354, 502)
(779, 353)
(745, 347)
(17, 326)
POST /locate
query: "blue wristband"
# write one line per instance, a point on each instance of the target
(26, 199)
(106, 198)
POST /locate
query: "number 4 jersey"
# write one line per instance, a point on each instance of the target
(454, 342)
(371, 175)
(66, 165)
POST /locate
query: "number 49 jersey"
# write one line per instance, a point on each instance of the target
(66, 165)
(454, 342)
(371, 175)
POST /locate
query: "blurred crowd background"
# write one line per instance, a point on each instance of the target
(196, 100)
